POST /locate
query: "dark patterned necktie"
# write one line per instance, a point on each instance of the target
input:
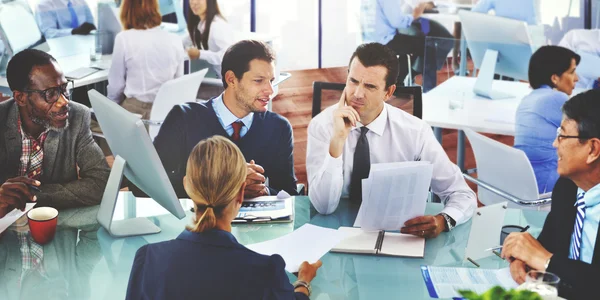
(361, 166)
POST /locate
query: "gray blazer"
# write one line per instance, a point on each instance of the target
(75, 169)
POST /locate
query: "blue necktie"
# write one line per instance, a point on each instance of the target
(578, 230)
(74, 20)
(424, 25)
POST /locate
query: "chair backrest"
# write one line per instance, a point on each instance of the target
(503, 167)
(407, 98)
(174, 92)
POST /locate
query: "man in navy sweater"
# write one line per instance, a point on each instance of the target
(240, 113)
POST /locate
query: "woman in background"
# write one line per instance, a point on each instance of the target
(209, 33)
(552, 77)
(144, 57)
(206, 261)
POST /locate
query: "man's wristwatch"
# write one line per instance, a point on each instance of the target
(305, 284)
(450, 223)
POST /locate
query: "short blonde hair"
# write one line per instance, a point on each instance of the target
(140, 14)
(216, 170)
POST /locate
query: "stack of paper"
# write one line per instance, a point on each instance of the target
(393, 194)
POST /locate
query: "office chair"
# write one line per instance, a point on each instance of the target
(504, 173)
(399, 100)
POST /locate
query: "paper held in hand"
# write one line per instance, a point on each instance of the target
(393, 194)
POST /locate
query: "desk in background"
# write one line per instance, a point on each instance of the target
(480, 114)
(105, 262)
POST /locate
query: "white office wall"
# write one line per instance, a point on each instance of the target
(341, 31)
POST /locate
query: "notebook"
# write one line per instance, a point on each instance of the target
(380, 243)
(82, 72)
(278, 208)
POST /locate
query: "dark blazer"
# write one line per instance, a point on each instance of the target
(207, 265)
(577, 279)
(74, 169)
(269, 142)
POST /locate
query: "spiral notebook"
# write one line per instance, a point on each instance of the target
(380, 243)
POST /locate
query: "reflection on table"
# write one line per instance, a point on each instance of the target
(85, 262)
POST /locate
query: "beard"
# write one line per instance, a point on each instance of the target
(46, 124)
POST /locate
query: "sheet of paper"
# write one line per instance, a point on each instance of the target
(397, 192)
(445, 282)
(14, 215)
(307, 243)
(400, 244)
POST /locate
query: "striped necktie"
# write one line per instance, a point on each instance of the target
(578, 230)
(74, 19)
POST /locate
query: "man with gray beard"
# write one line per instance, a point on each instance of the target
(47, 153)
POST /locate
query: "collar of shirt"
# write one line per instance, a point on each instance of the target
(378, 125)
(591, 197)
(226, 117)
(24, 135)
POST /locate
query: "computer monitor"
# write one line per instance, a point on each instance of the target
(169, 7)
(109, 25)
(136, 157)
(498, 46)
(18, 31)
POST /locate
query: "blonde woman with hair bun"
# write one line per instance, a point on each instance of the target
(206, 261)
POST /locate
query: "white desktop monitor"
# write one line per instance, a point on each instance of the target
(136, 158)
(498, 46)
(109, 24)
(18, 31)
(173, 6)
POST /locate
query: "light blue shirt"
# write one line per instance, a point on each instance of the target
(537, 118)
(523, 10)
(226, 117)
(54, 18)
(381, 21)
(590, 223)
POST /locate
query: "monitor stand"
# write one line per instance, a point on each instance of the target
(4, 58)
(485, 78)
(120, 228)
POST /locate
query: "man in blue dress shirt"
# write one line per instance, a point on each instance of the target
(386, 22)
(58, 18)
(523, 10)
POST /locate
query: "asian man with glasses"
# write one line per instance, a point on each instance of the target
(45, 140)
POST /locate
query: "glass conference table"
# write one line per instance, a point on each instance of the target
(85, 262)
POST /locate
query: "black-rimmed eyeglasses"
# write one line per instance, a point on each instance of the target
(560, 136)
(51, 95)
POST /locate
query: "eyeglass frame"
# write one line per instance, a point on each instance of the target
(560, 136)
(62, 91)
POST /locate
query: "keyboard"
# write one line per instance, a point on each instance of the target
(82, 72)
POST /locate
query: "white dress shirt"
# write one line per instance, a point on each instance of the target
(220, 37)
(54, 18)
(394, 136)
(586, 40)
(142, 61)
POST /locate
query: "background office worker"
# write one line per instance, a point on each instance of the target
(584, 40)
(45, 139)
(144, 57)
(239, 113)
(523, 10)
(209, 33)
(568, 245)
(345, 139)
(58, 18)
(406, 33)
(206, 261)
(552, 76)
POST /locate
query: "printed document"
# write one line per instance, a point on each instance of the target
(393, 194)
(14, 215)
(445, 282)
